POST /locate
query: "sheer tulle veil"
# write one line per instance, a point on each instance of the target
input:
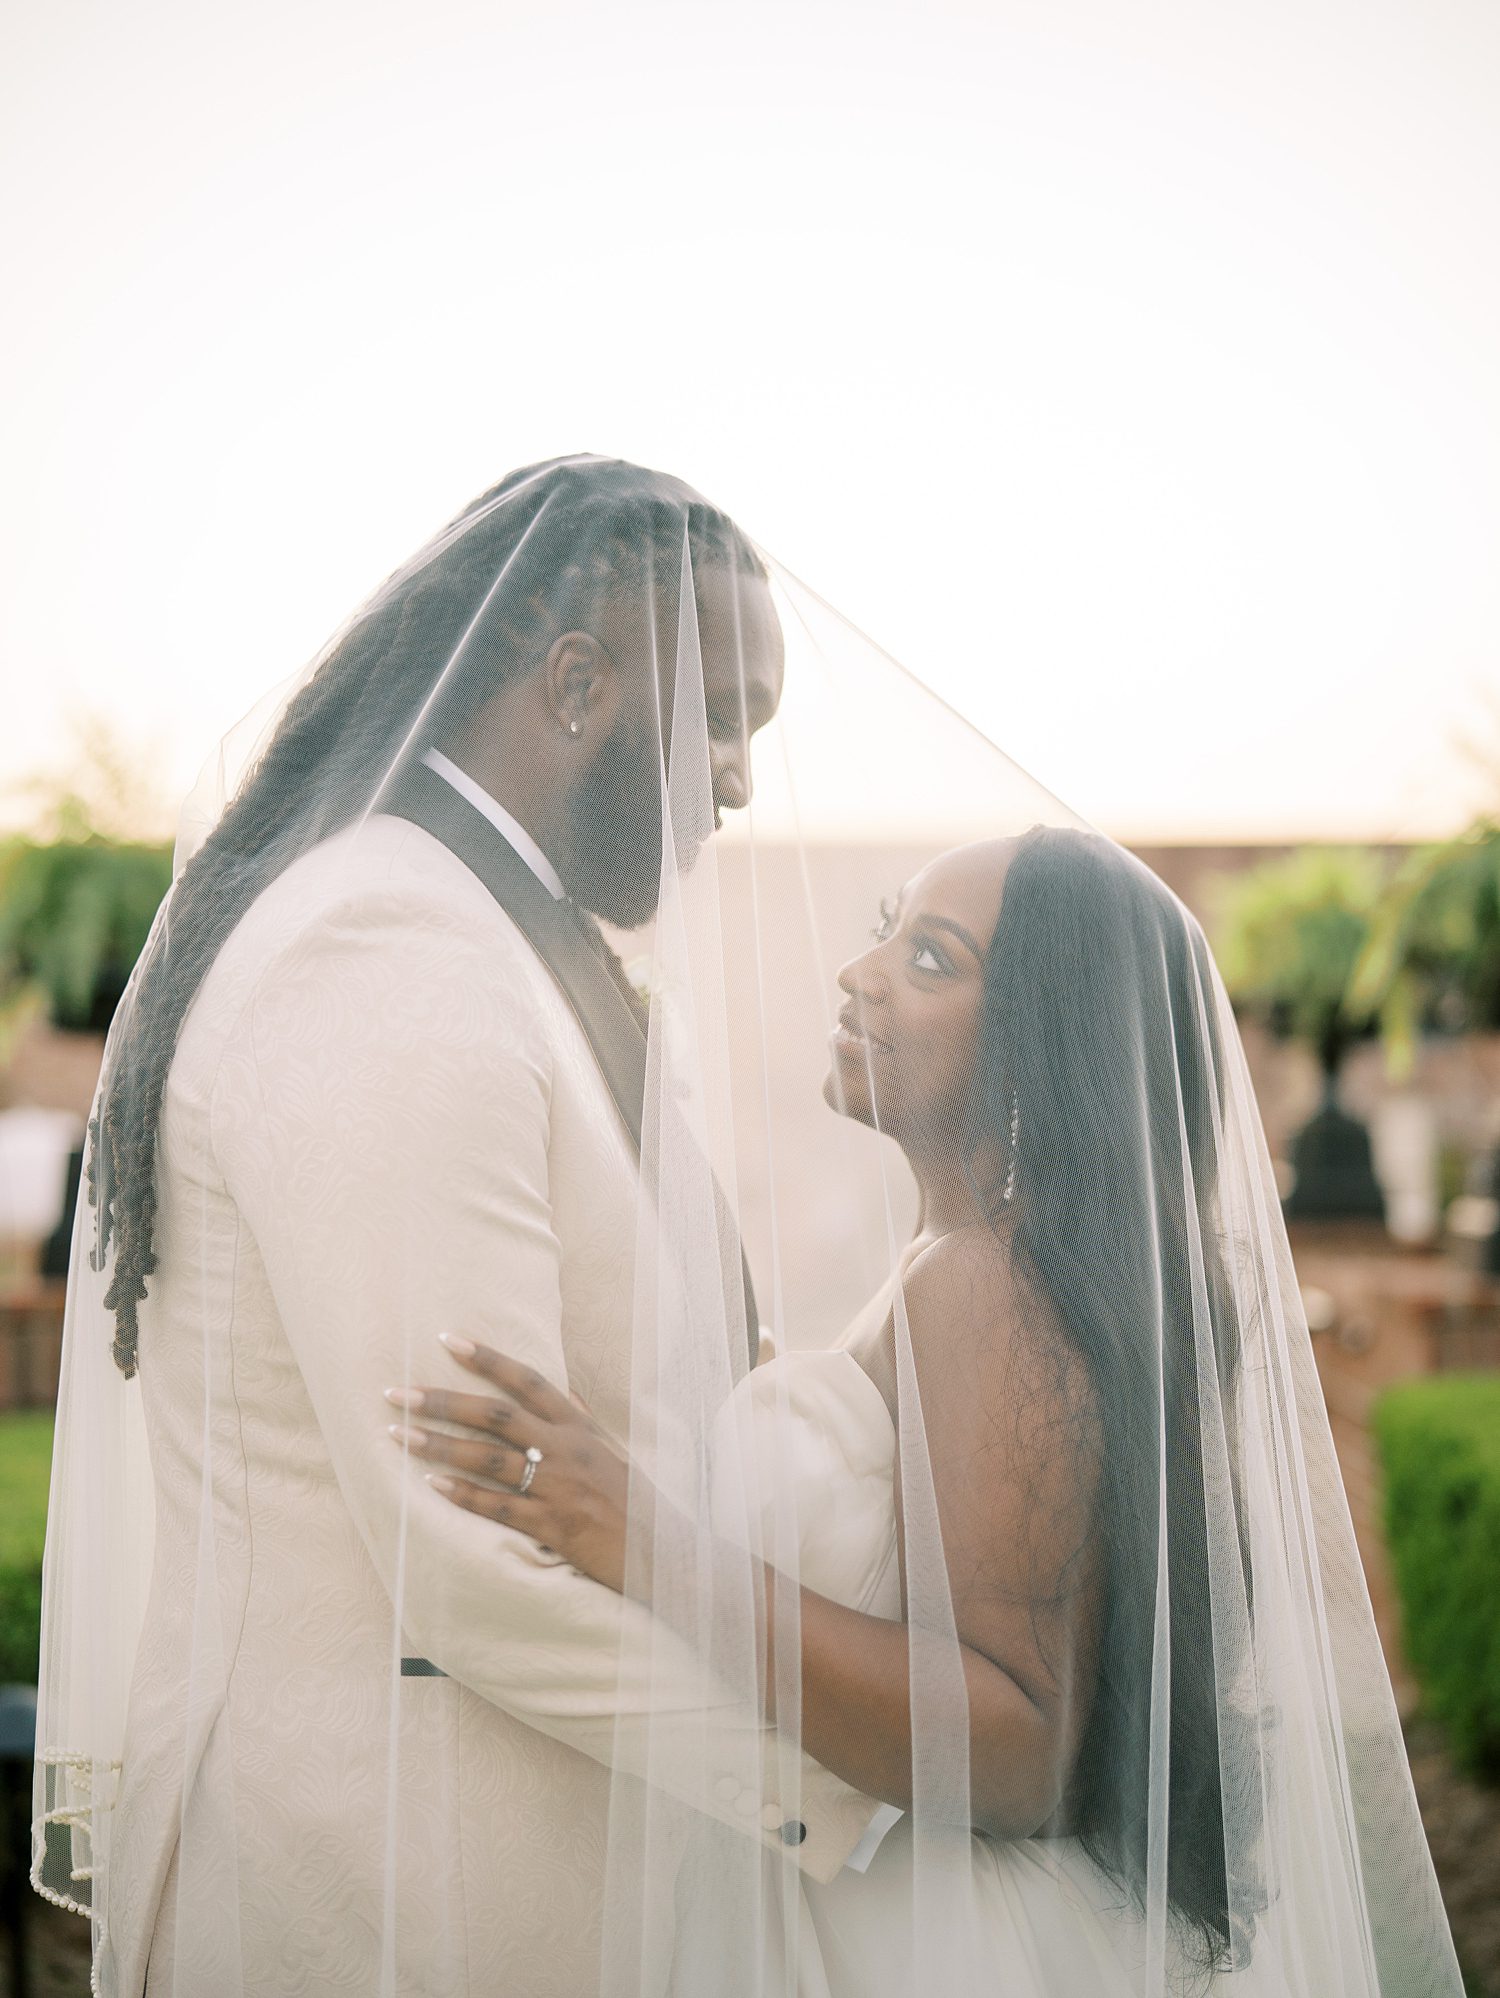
(281, 1116)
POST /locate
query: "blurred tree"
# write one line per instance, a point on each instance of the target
(1432, 959)
(1289, 936)
(79, 890)
(74, 915)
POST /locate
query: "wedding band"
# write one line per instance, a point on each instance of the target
(533, 1458)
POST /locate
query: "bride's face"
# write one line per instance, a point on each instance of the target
(907, 1036)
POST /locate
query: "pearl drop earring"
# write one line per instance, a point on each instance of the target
(1015, 1133)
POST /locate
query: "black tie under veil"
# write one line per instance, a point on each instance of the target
(1035, 1405)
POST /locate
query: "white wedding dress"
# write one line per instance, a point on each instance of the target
(1043, 1921)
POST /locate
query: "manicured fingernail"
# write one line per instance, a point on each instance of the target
(412, 1438)
(444, 1485)
(412, 1398)
(462, 1349)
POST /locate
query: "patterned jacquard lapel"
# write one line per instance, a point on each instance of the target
(575, 958)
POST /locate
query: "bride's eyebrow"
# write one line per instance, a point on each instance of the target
(956, 929)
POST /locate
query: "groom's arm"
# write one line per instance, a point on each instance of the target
(381, 1115)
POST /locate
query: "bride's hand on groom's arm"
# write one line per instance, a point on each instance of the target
(577, 1498)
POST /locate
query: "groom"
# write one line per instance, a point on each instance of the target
(407, 1099)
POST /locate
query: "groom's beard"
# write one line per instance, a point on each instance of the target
(613, 865)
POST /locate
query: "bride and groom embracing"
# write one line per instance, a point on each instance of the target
(1014, 1641)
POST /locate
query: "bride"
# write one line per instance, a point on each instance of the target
(1036, 1026)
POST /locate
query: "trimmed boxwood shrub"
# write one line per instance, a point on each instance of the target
(1439, 1443)
(25, 1464)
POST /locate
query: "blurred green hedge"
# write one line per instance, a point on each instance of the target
(25, 1464)
(1439, 1443)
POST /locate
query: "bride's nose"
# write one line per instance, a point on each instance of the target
(860, 979)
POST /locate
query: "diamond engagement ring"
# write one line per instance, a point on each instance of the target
(533, 1458)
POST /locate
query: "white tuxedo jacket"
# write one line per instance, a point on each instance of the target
(383, 1121)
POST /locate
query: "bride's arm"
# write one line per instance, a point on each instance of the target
(1009, 1441)
(1000, 1442)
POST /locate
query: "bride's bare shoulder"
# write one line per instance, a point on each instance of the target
(975, 1312)
(970, 1278)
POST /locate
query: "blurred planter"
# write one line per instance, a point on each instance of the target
(1290, 934)
(74, 915)
(1432, 963)
(1408, 1163)
(1333, 1167)
(1473, 1220)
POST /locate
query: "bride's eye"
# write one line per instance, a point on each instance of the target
(935, 958)
(886, 927)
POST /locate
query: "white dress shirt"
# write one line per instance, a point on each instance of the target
(510, 829)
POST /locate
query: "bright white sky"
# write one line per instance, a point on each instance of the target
(1129, 371)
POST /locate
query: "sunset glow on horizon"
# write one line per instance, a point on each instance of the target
(1129, 375)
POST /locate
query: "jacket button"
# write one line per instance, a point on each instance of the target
(793, 1832)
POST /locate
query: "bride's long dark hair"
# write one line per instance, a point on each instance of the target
(567, 535)
(1100, 1055)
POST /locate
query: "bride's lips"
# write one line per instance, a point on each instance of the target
(856, 1039)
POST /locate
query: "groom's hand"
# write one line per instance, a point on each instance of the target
(529, 1457)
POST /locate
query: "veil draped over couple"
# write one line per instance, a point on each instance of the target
(682, 1372)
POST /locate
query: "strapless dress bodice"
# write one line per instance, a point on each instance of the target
(804, 1467)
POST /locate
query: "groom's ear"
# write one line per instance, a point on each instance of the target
(579, 678)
